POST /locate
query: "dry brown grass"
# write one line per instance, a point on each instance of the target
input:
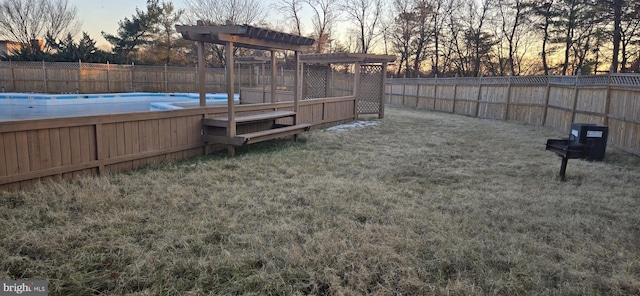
(423, 203)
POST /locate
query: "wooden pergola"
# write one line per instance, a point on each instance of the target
(255, 38)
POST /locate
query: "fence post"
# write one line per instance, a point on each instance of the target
(132, 76)
(455, 93)
(435, 91)
(479, 96)
(44, 73)
(79, 77)
(13, 76)
(506, 111)
(196, 78)
(417, 94)
(575, 99)
(166, 81)
(546, 101)
(607, 102)
(108, 78)
(282, 76)
(404, 88)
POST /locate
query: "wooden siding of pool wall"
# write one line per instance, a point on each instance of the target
(551, 101)
(56, 149)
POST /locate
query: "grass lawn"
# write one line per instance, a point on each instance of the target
(420, 203)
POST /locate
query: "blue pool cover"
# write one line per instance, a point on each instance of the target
(21, 106)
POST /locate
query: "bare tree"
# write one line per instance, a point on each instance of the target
(442, 8)
(474, 43)
(630, 32)
(229, 11)
(513, 16)
(291, 10)
(216, 12)
(543, 14)
(423, 12)
(25, 20)
(366, 14)
(325, 14)
(623, 16)
(61, 18)
(574, 23)
(402, 32)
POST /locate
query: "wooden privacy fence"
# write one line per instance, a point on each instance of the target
(81, 77)
(551, 101)
(62, 148)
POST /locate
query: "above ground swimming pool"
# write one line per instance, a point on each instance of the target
(18, 106)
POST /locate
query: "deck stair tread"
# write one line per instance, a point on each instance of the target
(269, 134)
(243, 119)
(254, 137)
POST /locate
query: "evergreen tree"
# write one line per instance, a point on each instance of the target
(29, 52)
(135, 32)
(85, 50)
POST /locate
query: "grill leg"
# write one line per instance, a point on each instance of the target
(563, 168)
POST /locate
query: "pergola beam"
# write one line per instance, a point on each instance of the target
(246, 36)
(346, 58)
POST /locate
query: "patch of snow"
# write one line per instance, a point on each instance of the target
(353, 125)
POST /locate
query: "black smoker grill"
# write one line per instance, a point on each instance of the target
(586, 141)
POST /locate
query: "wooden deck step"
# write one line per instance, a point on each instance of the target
(275, 133)
(243, 119)
(259, 136)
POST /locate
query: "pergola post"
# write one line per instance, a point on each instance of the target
(231, 130)
(202, 75)
(298, 86)
(274, 76)
(383, 91)
(356, 87)
(297, 90)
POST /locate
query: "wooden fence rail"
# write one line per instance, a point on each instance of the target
(551, 101)
(32, 151)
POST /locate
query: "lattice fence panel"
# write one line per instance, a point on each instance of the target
(530, 80)
(563, 80)
(592, 80)
(315, 82)
(370, 96)
(628, 80)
